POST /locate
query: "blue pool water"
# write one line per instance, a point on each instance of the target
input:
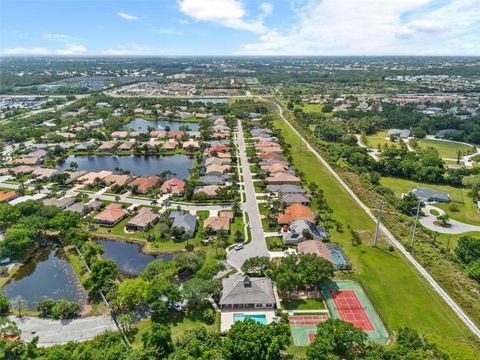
(337, 257)
(262, 319)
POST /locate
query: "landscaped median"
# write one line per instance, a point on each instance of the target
(401, 297)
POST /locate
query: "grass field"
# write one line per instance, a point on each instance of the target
(377, 139)
(445, 149)
(467, 209)
(401, 297)
(303, 304)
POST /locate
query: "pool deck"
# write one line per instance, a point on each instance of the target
(226, 321)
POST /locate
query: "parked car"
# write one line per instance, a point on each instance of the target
(238, 246)
(176, 307)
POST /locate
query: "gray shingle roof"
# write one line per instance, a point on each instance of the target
(241, 289)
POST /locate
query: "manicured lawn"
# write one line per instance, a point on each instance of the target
(379, 138)
(445, 149)
(467, 209)
(274, 243)
(303, 304)
(400, 296)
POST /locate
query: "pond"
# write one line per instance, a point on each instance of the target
(142, 125)
(128, 256)
(48, 274)
(137, 165)
(209, 100)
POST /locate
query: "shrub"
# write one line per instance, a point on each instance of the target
(58, 309)
(4, 305)
(209, 315)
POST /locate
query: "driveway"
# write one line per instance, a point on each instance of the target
(456, 227)
(257, 245)
(56, 332)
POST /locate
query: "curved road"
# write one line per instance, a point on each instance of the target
(426, 275)
(257, 245)
(456, 227)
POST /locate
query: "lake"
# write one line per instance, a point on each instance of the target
(142, 125)
(48, 274)
(128, 256)
(137, 165)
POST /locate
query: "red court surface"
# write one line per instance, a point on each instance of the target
(295, 320)
(311, 337)
(350, 309)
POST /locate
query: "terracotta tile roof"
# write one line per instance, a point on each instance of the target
(267, 144)
(111, 214)
(7, 196)
(117, 179)
(174, 185)
(144, 184)
(91, 176)
(217, 223)
(217, 168)
(296, 212)
(283, 178)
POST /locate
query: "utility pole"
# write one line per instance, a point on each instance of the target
(377, 230)
(415, 224)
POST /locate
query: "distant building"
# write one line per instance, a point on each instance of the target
(431, 195)
(400, 133)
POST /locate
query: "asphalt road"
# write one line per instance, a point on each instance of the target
(425, 274)
(257, 246)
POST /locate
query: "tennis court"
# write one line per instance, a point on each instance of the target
(350, 309)
(304, 327)
(346, 300)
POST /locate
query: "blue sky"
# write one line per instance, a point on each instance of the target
(240, 27)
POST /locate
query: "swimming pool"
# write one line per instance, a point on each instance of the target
(261, 318)
(337, 257)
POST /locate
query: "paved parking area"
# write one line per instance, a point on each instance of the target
(56, 332)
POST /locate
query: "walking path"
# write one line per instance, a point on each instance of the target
(56, 332)
(426, 275)
(456, 227)
(257, 245)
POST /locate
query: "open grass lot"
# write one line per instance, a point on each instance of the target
(377, 139)
(467, 209)
(401, 297)
(303, 304)
(445, 149)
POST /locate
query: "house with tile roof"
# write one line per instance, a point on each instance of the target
(144, 184)
(217, 223)
(173, 186)
(296, 212)
(111, 215)
(242, 291)
(145, 217)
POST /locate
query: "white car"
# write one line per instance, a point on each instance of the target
(238, 246)
(177, 307)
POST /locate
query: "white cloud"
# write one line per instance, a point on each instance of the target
(374, 27)
(59, 37)
(136, 50)
(165, 31)
(127, 17)
(228, 13)
(266, 8)
(72, 49)
(25, 51)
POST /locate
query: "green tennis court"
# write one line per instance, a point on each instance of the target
(346, 300)
(304, 327)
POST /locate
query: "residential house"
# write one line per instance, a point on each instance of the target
(62, 203)
(119, 180)
(211, 180)
(79, 208)
(218, 161)
(27, 161)
(316, 247)
(295, 233)
(145, 217)
(215, 169)
(208, 190)
(286, 189)
(173, 186)
(296, 212)
(144, 184)
(191, 145)
(21, 170)
(6, 196)
(43, 173)
(170, 145)
(217, 223)
(283, 178)
(38, 153)
(291, 199)
(111, 215)
(431, 195)
(126, 146)
(399, 133)
(107, 146)
(243, 292)
(90, 177)
(186, 221)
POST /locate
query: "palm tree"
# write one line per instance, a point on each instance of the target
(19, 304)
(38, 188)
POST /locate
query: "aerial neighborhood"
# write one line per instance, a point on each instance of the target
(239, 208)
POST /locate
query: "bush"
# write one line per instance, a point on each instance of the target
(4, 306)
(58, 309)
(209, 315)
